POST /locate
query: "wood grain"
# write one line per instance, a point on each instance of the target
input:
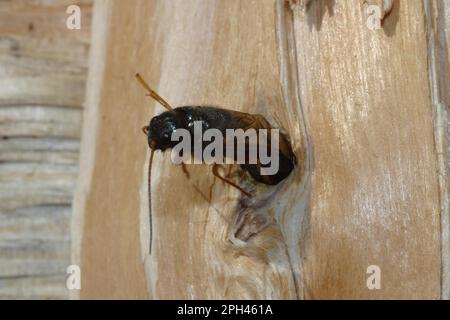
(40, 121)
(42, 61)
(360, 110)
(35, 287)
(375, 193)
(437, 19)
(43, 68)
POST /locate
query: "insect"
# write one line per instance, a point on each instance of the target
(160, 129)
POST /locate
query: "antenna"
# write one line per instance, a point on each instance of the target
(153, 94)
(149, 181)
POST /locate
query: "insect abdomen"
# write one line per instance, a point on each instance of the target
(222, 119)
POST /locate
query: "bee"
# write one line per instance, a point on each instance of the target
(159, 132)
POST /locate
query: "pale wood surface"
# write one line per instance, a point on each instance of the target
(43, 68)
(368, 191)
(438, 20)
(376, 197)
(42, 61)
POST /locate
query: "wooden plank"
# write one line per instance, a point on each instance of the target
(42, 61)
(44, 287)
(375, 199)
(33, 257)
(42, 71)
(40, 121)
(358, 105)
(203, 261)
(43, 19)
(43, 150)
(34, 243)
(34, 247)
(27, 184)
(437, 18)
(440, 24)
(41, 223)
(43, 68)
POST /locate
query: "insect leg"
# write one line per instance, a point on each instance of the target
(215, 171)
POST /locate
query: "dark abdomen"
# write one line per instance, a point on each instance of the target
(222, 119)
